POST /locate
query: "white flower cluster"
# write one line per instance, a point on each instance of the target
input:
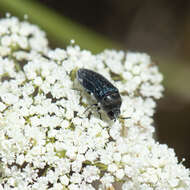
(48, 141)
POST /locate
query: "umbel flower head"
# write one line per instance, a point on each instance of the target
(48, 141)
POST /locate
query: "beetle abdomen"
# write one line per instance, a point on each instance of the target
(95, 83)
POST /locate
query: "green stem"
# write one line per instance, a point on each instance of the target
(62, 30)
(58, 28)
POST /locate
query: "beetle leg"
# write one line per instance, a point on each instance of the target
(93, 105)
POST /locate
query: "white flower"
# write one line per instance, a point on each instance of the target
(76, 178)
(90, 173)
(64, 180)
(112, 167)
(120, 174)
(91, 155)
(2, 106)
(49, 141)
(107, 179)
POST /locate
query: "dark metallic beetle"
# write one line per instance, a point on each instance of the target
(106, 94)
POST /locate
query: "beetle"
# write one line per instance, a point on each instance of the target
(106, 94)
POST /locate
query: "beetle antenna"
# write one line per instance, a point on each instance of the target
(125, 117)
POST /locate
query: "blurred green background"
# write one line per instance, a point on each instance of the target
(159, 28)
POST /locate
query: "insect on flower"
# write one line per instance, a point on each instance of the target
(106, 94)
